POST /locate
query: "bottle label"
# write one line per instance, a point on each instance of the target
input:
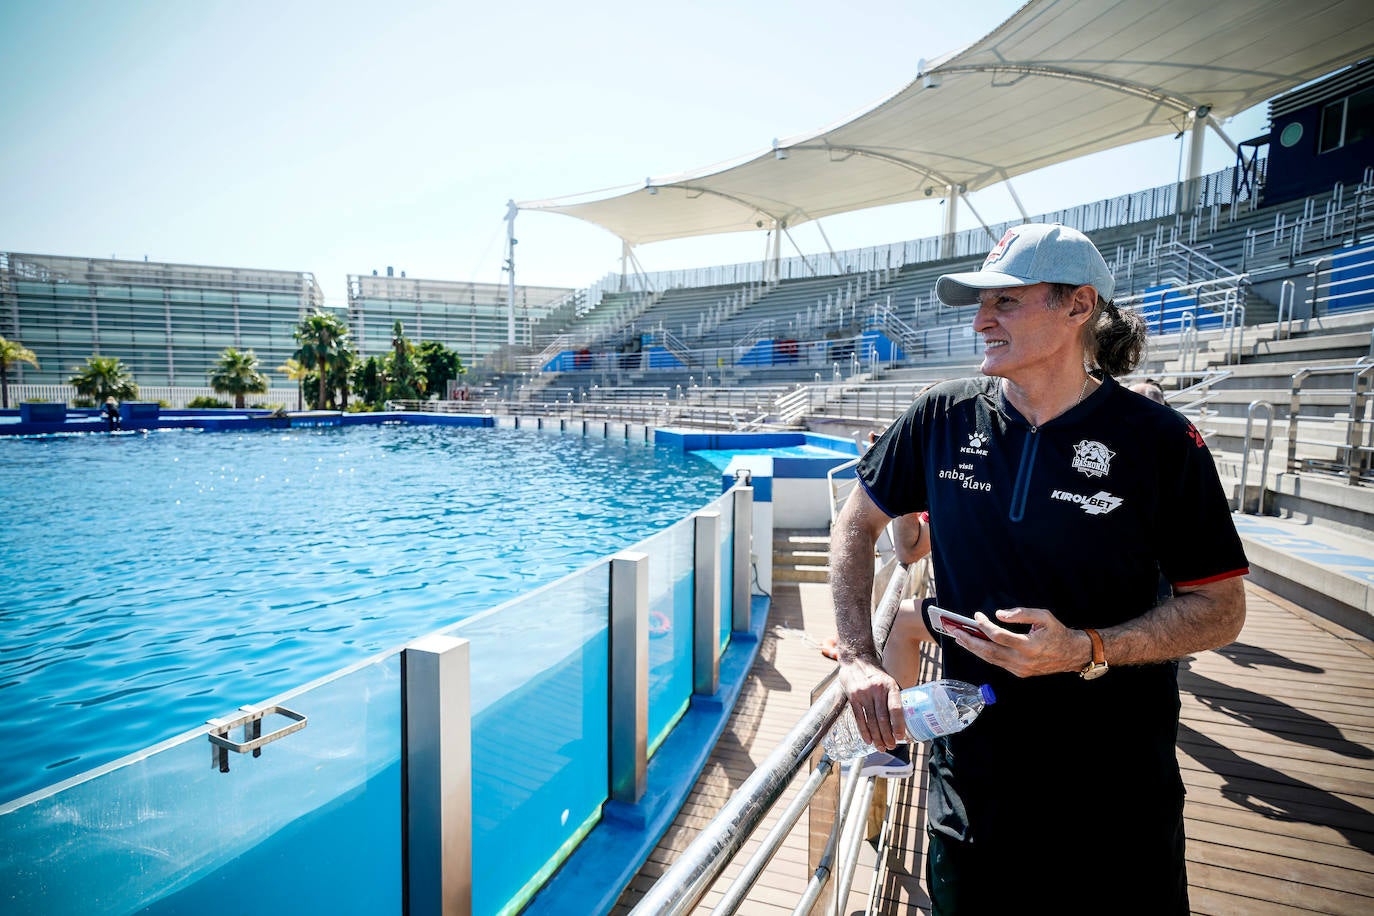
(933, 722)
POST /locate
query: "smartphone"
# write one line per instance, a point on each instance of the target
(947, 622)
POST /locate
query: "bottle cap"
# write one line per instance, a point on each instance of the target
(988, 696)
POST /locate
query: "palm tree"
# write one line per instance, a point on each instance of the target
(295, 372)
(237, 373)
(322, 336)
(104, 377)
(12, 351)
(404, 380)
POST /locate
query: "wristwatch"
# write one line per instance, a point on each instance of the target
(1098, 666)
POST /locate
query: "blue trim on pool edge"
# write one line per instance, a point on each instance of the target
(723, 442)
(85, 420)
(598, 871)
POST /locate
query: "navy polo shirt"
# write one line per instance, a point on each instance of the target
(1079, 516)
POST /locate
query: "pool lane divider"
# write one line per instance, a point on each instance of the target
(594, 876)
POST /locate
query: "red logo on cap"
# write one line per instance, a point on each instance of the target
(996, 254)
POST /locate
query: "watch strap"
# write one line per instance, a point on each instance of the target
(1098, 666)
(1099, 656)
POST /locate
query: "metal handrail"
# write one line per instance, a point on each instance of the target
(753, 869)
(1353, 466)
(683, 885)
(1287, 297)
(1234, 321)
(1268, 409)
(1187, 343)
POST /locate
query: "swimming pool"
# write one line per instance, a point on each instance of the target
(154, 581)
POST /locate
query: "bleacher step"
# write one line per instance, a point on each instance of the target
(1328, 572)
(801, 555)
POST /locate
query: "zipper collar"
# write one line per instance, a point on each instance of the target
(1010, 413)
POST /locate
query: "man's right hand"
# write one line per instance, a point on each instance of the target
(875, 700)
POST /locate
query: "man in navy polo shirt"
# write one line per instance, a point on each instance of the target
(1057, 498)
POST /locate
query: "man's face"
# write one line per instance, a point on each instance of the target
(1022, 336)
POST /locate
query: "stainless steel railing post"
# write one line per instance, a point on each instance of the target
(1268, 409)
(686, 882)
(706, 604)
(629, 676)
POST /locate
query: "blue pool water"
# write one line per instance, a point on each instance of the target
(154, 581)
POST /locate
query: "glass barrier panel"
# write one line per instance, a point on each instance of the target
(165, 831)
(726, 507)
(670, 626)
(540, 732)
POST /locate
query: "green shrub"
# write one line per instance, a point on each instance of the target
(207, 402)
(83, 402)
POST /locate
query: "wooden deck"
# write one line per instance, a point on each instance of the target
(1276, 747)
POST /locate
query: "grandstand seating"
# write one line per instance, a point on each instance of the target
(713, 327)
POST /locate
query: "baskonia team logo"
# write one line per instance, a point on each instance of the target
(1093, 458)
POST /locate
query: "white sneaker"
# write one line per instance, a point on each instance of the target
(893, 764)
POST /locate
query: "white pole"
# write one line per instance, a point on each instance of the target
(1188, 198)
(511, 212)
(951, 221)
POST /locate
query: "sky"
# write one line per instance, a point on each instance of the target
(339, 137)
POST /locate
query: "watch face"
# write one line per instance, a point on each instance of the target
(1092, 672)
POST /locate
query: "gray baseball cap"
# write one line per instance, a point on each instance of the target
(1032, 253)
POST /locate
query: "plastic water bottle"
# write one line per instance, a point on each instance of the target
(933, 709)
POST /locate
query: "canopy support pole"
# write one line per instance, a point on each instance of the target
(834, 258)
(1216, 129)
(775, 257)
(968, 203)
(1187, 198)
(951, 221)
(511, 212)
(801, 254)
(1016, 199)
(640, 272)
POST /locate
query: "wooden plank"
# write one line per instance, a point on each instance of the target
(1203, 901)
(1328, 865)
(1246, 888)
(1322, 840)
(1276, 750)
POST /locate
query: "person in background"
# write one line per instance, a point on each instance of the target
(1056, 500)
(110, 411)
(1150, 389)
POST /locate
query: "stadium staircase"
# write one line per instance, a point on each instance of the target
(801, 555)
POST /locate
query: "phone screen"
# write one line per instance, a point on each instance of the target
(947, 622)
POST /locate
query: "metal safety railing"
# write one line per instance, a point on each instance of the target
(697, 867)
(1266, 444)
(1335, 443)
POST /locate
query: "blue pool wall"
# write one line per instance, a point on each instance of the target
(794, 488)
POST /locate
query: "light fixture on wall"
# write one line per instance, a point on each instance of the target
(928, 80)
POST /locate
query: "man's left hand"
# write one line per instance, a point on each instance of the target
(1048, 648)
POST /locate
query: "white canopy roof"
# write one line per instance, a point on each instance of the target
(1058, 80)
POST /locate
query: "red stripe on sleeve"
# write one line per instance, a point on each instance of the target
(1217, 578)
